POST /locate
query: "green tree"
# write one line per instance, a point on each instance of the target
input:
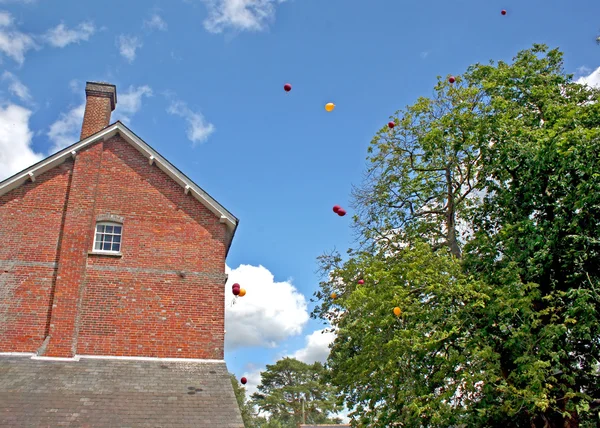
(249, 416)
(289, 384)
(502, 329)
(422, 172)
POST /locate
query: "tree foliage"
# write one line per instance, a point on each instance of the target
(501, 327)
(287, 384)
(249, 415)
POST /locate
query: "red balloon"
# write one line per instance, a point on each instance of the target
(287, 87)
(341, 212)
(336, 208)
(244, 380)
(391, 124)
(503, 12)
(451, 79)
(236, 291)
(361, 281)
(236, 285)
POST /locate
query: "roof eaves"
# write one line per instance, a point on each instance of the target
(53, 160)
(179, 176)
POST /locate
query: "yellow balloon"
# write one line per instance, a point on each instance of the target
(397, 311)
(333, 295)
(242, 292)
(329, 106)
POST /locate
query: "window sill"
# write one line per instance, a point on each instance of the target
(104, 253)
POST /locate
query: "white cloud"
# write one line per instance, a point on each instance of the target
(244, 15)
(198, 128)
(156, 22)
(16, 87)
(14, 43)
(5, 19)
(592, 79)
(254, 379)
(60, 36)
(268, 314)
(15, 141)
(130, 102)
(18, 1)
(317, 347)
(75, 86)
(128, 46)
(67, 129)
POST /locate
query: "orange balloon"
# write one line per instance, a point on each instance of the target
(333, 295)
(242, 292)
(397, 311)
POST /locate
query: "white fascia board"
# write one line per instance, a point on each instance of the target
(142, 147)
(163, 164)
(53, 161)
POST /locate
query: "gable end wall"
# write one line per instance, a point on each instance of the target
(164, 297)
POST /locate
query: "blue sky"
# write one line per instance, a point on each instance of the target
(202, 82)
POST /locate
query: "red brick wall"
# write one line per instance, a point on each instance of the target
(30, 223)
(96, 116)
(138, 304)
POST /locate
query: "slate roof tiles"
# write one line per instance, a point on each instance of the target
(115, 393)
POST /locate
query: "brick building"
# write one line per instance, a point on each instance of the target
(112, 282)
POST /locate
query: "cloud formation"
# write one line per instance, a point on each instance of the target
(128, 45)
(593, 79)
(199, 129)
(60, 36)
(16, 153)
(268, 314)
(16, 87)
(14, 43)
(156, 23)
(317, 347)
(130, 102)
(242, 15)
(66, 130)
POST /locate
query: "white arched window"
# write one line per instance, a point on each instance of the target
(108, 237)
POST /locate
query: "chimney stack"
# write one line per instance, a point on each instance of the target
(100, 101)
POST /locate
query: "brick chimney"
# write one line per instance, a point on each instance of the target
(100, 101)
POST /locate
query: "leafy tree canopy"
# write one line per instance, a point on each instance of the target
(480, 218)
(287, 384)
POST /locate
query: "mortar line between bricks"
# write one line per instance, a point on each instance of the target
(216, 276)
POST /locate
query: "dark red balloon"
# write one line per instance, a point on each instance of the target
(287, 87)
(503, 12)
(236, 291)
(361, 281)
(244, 380)
(336, 208)
(391, 124)
(451, 79)
(341, 212)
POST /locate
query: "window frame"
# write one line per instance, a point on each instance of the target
(120, 235)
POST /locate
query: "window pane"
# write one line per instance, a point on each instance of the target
(108, 238)
(116, 238)
(117, 230)
(106, 246)
(100, 228)
(108, 229)
(98, 237)
(115, 247)
(98, 246)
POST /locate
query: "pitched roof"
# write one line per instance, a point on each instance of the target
(116, 393)
(153, 157)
